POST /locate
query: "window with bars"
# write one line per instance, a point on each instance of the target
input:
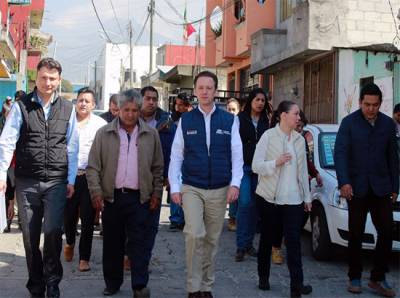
(240, 10)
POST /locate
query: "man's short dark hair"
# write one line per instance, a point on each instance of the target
(396, 108)
(370, 89)
(114, 99)
(207, 74)
(19, 94)
(183, 96)
(148, 88)
(87, 90)
(49, 63)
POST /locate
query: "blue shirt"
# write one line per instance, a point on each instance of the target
(11, 132)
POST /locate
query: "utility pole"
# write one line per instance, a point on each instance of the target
(55, 50)
(151, 8)
(130, 55)
(88, 74)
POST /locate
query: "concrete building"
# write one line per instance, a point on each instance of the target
(112, 70)
(228, 39)
(21, 43)
(322, 51)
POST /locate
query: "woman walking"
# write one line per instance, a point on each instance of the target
(253, 123)
(282, 194)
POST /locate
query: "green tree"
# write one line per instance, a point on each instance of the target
(66, 86)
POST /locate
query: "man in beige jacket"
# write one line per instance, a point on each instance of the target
(121, 150)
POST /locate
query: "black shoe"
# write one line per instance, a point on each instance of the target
(109, 292)
(142, 293)
(7, 230)
(37, 295)
(251, 251)
(53, 291)
(303, 290)
(263, 284)
(239, 255)
(207, 294)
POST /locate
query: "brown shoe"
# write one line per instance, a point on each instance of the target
(127, 264)
(84, 266)
(68, 252)
(382, 288)
(276, 256)
(232, 224)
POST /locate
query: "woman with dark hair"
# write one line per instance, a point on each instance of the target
(282, 194)
(253, 123)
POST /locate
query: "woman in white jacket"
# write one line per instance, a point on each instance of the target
(282, 194)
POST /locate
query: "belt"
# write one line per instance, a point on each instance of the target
(80, 172)
(125, 190)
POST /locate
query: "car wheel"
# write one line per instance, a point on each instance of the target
(320, 239)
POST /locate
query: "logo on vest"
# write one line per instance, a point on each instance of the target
(222, 132)
(191, 132)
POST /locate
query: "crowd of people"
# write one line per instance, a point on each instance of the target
(64, 164)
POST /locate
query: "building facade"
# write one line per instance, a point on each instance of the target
(228, 39)
(305, 53)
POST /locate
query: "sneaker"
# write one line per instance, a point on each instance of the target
(382, 288)
(251, 251)
(232, 224)
(143, 293)
(68, 252)
(303, 290)
(277, 256)
(354, 286)
(240, 255)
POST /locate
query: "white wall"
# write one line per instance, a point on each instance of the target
(117, 56)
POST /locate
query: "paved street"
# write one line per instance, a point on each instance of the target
(168, 270)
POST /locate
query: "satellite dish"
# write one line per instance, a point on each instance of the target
(216, 18)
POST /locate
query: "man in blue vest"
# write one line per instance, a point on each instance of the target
(367, 168)
(42, 129)
(205, 173)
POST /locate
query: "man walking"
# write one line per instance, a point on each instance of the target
(121, 151)
(112, 109)
(80, 204)
(41, 128)
(207, 154)
(367, 168)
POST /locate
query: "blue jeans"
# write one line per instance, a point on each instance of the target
(233, 209)
(246, 216)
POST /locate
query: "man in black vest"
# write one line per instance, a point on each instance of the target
(41, 128)
(367, 169)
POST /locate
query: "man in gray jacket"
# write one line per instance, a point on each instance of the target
(121, 150)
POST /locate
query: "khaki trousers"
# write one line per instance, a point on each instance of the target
(204, 218)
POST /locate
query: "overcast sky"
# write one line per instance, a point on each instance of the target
(79, 37)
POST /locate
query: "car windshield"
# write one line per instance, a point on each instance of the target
(326, 149)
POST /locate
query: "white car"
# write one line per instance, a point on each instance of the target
(329, 217)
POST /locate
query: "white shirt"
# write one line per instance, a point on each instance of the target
(87, 132)
(178, 146)
(11, 133)
(288, 191)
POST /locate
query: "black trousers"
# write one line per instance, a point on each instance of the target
(381, 210)
(80, 205)
(41, 201)
(127, 218)
(290, 217)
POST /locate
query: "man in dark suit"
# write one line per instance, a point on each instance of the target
(367, 169)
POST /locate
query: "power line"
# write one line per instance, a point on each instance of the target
(116, 18)
(229, 4)
(101, 24)
(143, 27)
